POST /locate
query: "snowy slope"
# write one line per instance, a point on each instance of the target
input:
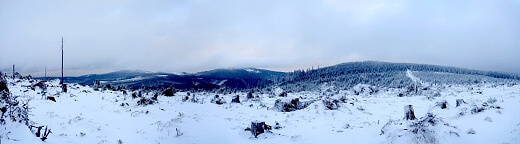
(83, 115)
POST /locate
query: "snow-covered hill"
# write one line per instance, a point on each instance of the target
(489, 114)
(387, 74)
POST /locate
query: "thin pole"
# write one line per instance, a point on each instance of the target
(13, 71)
(61, 60)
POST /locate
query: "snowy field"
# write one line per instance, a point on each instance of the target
(490, 114)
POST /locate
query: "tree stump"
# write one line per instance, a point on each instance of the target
(250, 95)
(236, 99)
(3, 86)
(257, 128)
(169, 92)
(409, 113)
(51, 98)
(64, 88)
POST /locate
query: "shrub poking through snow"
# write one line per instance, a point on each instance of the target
(459, 102)
(293, 105)
(250, 95)
(218, 100)
(147, 101)
(442, 104)
(277, 126)
(364, 89)
(360, 108)
(13, 109)
(490, 104)
(488, 119)
(471, 131)
(430, 94)
(331, 104)
(422, 130)
(491, 100)
(427, 129)
(477, 109)
(195, 99)
(283, 94)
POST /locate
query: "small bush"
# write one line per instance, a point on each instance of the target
(277, 126)
(195, 99)
(293, 105)
(427, 129)
(471, 131)
(476, 109)
(490, 104)
(459, 102)
(13, 109)
(491, 100)
(283, 94)
(442, 104)
(331, 104)
(145, 101)
(218, 100)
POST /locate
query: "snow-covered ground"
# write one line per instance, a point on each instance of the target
(83, 115)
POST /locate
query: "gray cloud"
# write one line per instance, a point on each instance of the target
(195, 35)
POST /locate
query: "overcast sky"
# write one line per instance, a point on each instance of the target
(196, 35)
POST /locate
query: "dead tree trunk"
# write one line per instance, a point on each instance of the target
(409, 113)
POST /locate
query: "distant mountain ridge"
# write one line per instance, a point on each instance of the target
(343, 76)
(219, 78)
(243, 73)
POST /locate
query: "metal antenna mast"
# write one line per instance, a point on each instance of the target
(61, 82)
